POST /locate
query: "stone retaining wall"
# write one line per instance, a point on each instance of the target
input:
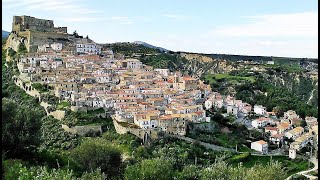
(83, 130)
(136, 131)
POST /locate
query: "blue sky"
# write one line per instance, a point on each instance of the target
(249, 27)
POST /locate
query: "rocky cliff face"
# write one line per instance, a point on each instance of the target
(14, 40)
(197, 65)
(300, 83)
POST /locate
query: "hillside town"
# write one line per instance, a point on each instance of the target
(141, 100)
(146, 98)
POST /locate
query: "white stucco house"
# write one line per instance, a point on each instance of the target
(258, 109)
(89, 48)
(260, 146)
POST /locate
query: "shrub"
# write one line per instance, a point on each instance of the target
(98, 153)
(150, 169)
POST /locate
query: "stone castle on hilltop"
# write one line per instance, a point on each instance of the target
(35, 33)
(24, 23)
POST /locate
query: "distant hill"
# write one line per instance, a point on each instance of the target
(5, 34)
(150, 46)
(260, 59)
(128, 49)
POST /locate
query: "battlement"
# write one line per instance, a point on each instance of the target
(23, 23)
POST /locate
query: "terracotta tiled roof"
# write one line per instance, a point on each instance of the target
(262, 142)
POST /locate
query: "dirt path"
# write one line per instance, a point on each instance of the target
(304, 173)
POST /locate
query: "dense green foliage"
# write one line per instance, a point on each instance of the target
(277, 97)
(258, 88)
(20, 127)
(248, 161)
(82, 118)
(63, 105)
(40, 87)
(98, 153)
(50, 99)
(233, 79)
(22, 48)
(127, 143)
(150, 169)
(21, 116)
(221, 170)
(15, 169)
(53, 137)
(128, 49)
(11, 52)
(171, 61)
(225, 133)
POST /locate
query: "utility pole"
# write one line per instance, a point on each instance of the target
(195, 160)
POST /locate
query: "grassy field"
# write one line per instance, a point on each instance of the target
(212, 78)
(62, 105)
(244, 148)
(290, 68)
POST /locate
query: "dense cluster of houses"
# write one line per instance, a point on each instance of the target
(233, 106)
(84, 47)
(286, 128)
(148, 98)
(135, 93)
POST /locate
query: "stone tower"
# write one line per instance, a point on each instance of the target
(34, 32)
(23, 23)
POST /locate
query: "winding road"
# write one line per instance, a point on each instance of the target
(305, 173)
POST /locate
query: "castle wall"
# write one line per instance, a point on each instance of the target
(36, 32)
(40, 38)
(135, 131)
(21, 23)
(82, 130)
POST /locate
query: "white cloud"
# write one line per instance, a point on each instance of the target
(274, 25)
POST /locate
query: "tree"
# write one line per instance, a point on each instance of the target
(11, 52)
(195, 150)
(98, 153)
(20, 127)
(303, 123)
(190, 172)
(221, 170)
(230, 119)
(22, 48)
(217, 117)
(16, 170)
(150, 169)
